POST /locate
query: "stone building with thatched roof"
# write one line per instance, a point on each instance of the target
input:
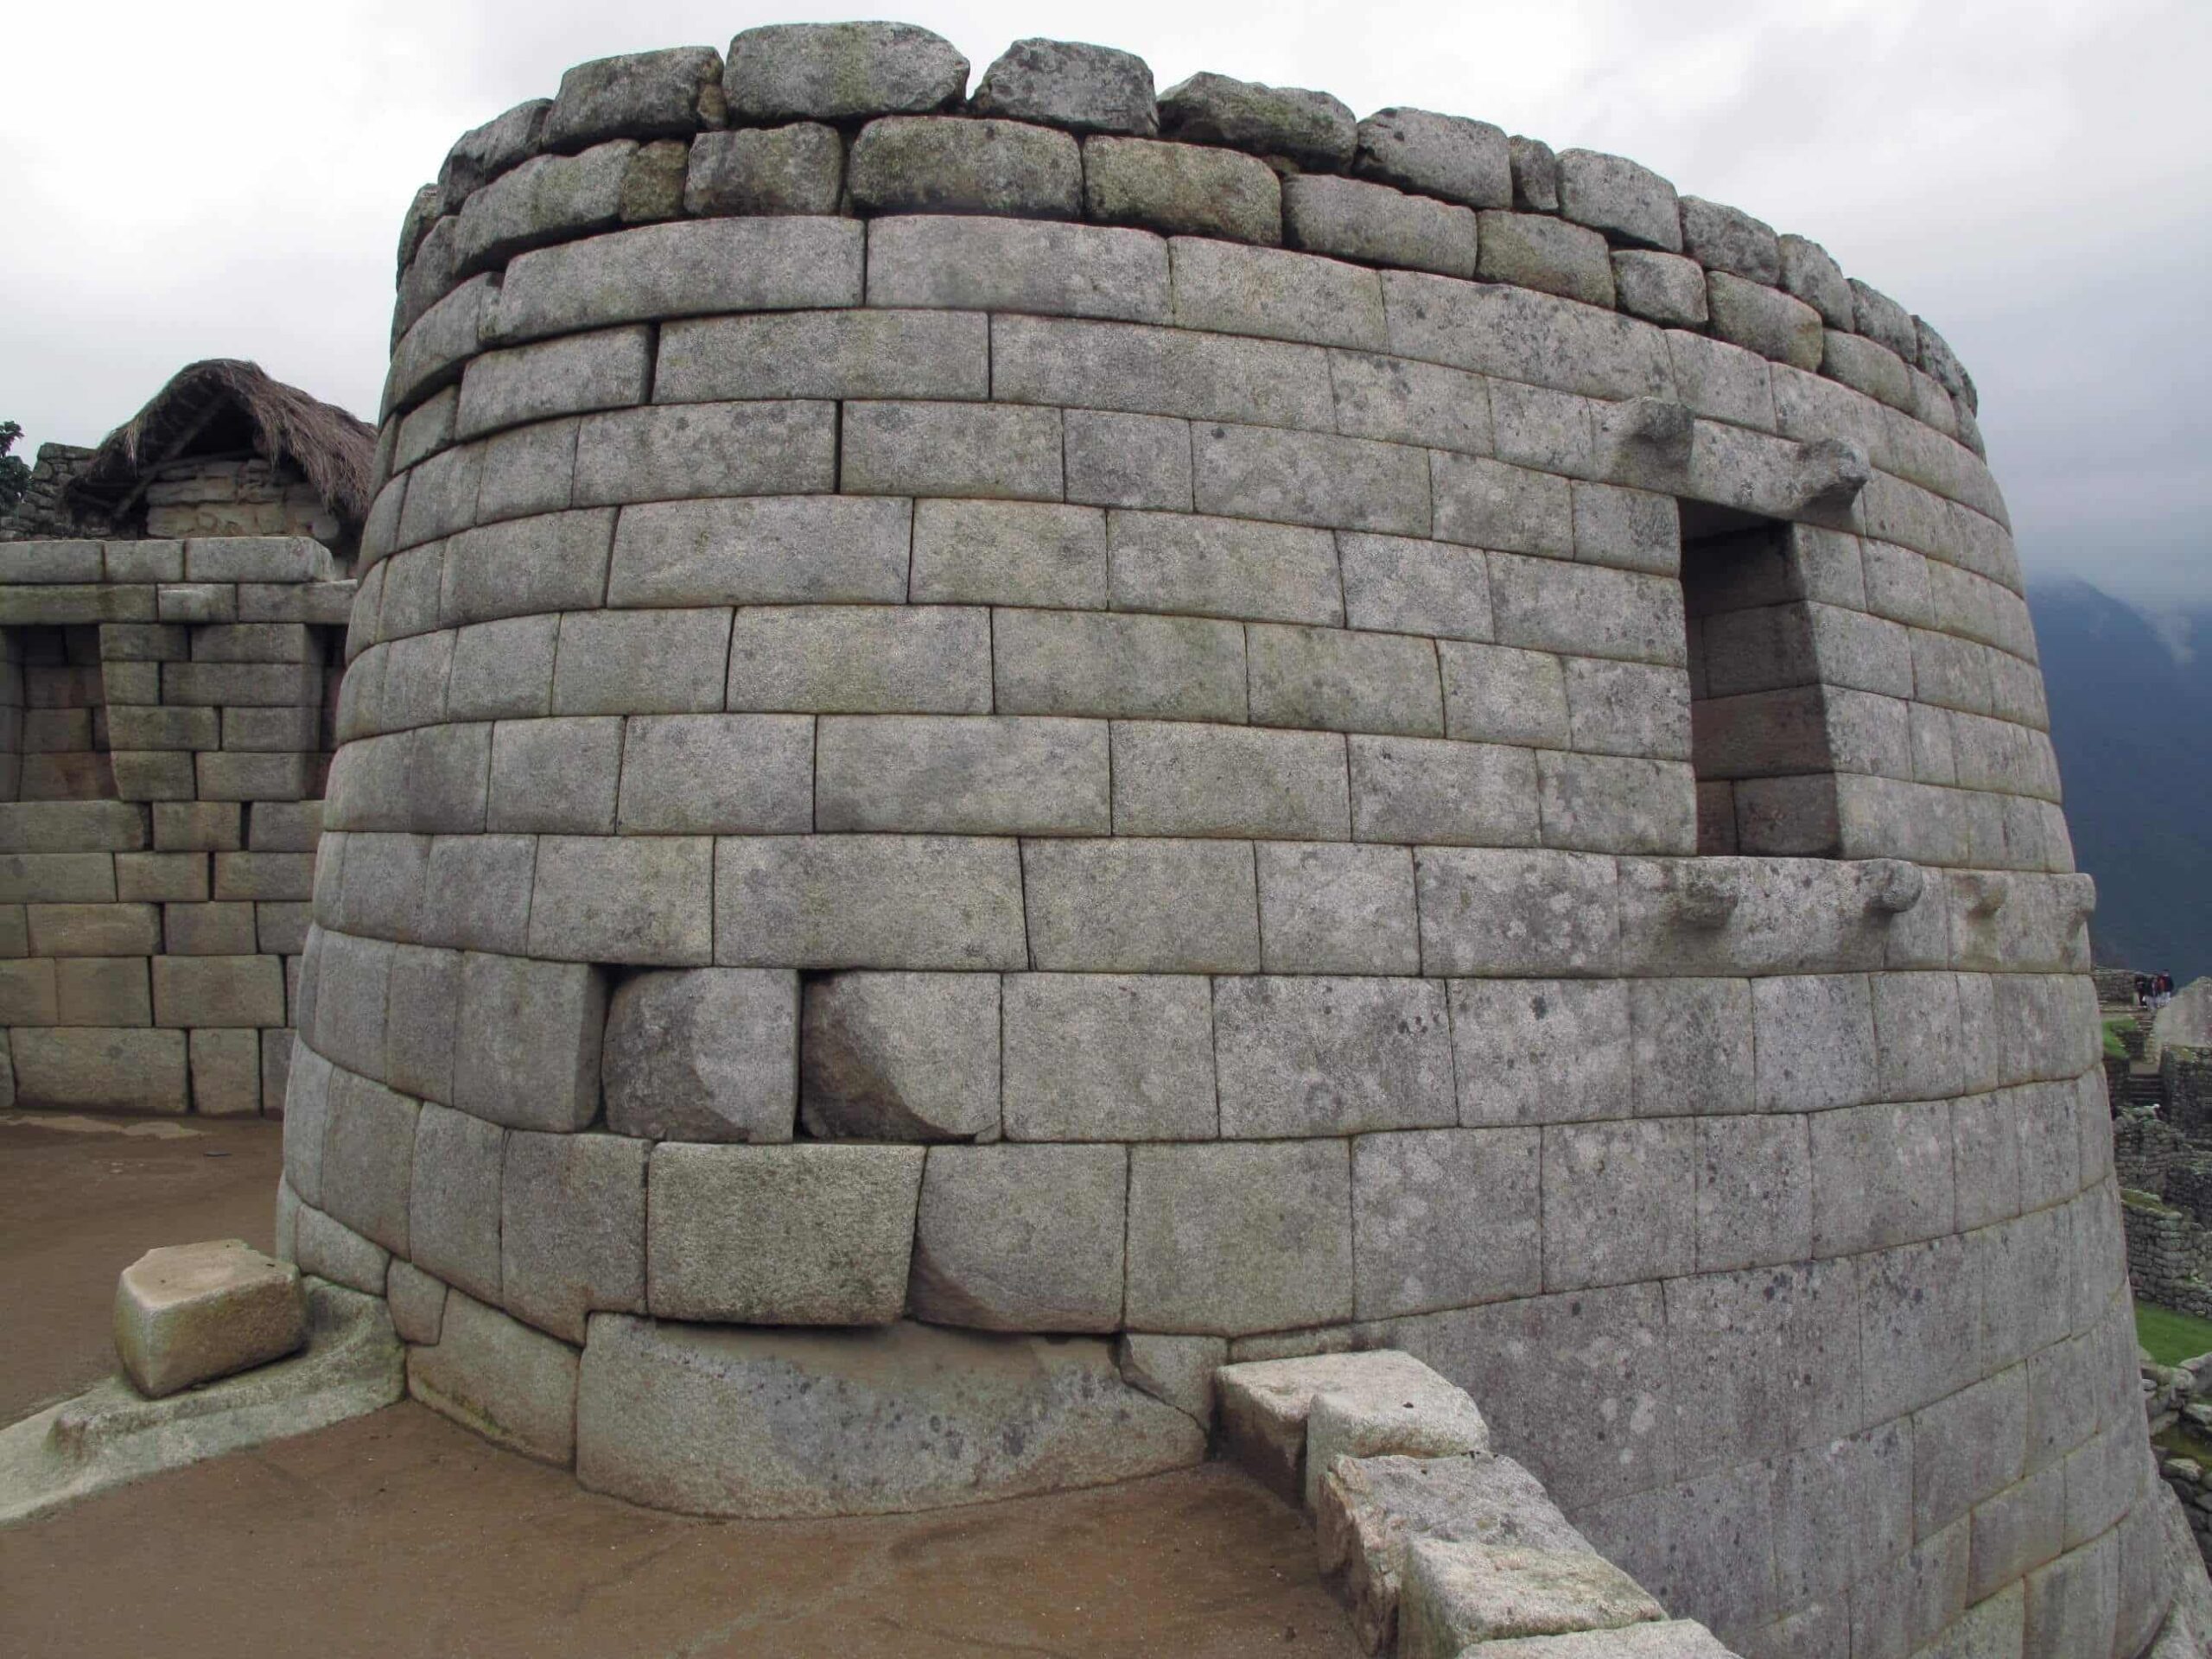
(171, 610)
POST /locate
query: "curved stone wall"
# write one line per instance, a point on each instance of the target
(964, 718)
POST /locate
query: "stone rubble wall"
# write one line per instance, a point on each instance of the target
(155, 882)
(1016, 755)
(44, 513)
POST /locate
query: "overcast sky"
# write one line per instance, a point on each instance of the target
(228, 180)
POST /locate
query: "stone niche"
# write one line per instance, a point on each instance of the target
(992, 755)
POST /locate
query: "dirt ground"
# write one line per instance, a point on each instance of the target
(398, 1534)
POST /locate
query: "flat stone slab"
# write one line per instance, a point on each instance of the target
(1265, 1404)
(187, 1313)
(723, 1420)
(110, 1436)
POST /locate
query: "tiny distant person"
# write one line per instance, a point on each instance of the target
(2142, 990)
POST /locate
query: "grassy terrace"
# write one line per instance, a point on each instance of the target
(2170, 1338)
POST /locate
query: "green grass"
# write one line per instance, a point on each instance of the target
(2171, 1337)
(2114, 1049)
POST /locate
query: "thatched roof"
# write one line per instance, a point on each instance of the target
(333, 451)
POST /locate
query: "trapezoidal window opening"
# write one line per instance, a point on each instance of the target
(1759, 739)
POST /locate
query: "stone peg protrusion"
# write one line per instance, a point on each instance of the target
(1660, 427)
(1893, 885)
(1705, 896)
(2082, 897)
(1831, 471)
(1984, 891)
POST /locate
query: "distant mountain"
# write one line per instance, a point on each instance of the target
(2131, 717)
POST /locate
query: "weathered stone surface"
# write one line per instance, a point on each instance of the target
(1663, 287)
(1066, 84)
(572, 1229)
(1728, 238)
(665, 94)
(794, 169)
(1326, 908)
(527, 1054)
(1375, 224)
(1764, 320)
(1043, 268)
(1182, 189)
(773, 1424)
(1179, 1370)
(1315, 1056)
(840, 71)
(1265, 1405)
(1367, 1510)
(1310, 128)
(1141, 905)
(1456, 1595)
(1419, 1246)
(1229, 1238)
(989, 775)
(187, 1313)
(1421, 1418)
(901, 1057)
(1536, 174)
(1611, 193)
(1809, 273)
(1882, 320)
(481, 154)
(1550, 255)
(1105, 1057)
(1021, 1238)
(703, 1054)
(512, 1384)
(1445, 156)
(905, 164)
(869, 901)
(452, 1209)
(797, 1235)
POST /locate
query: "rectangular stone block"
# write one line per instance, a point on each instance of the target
(486, 1369)
(1331, 909)
(572, 1229)
(234, 990)
(1540, 1051)
(1142, 906)
(959, 450)
(1231, 1238)
(635, 898)
(1754, 1193)
(72, 826)
(1201, 566)
(96, 931)
(233, 775)
(704, 1054)
(502, 670)
(1402, 401)
(1102, 1057)
(527, 1051)
(1596, 803)
(1920, 1327)
(1021, 1238)
(423, 1008)
(1692, 1053)
(872, 659)
(640, 662)
(1137, 667)
(875, 353)
(1882, 1176)
(1588, 611)
(453, 1212)
(987, 775)
(283, 877)
(1310, 1057)
(57, 878)
(869, 901)
(729, 774)
(761, 550)
(1815, 1042)
(1334, 679)
(669, 452)
(1488, 504)
(1498, 911)
(1406, 585)
(1127, 368)
(1015, 265)
(1306, 478)
(553, 562)
(224, 930)
(1419, 1246)
(688, 268)
(138, 726)
(158, 876)
(1128, 460)
(798, 1234)
(97, 1069)
(28, 993)
(1495, 693)
(368, 1156)
(1008, 553)
(899, 1057)
(1633, 1185)
(1177, 778)
(1442, 793)
(557, 776)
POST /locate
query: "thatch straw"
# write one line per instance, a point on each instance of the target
(336, 452)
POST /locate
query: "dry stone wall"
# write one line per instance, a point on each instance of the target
(1073, 713)
(165, 736)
